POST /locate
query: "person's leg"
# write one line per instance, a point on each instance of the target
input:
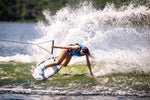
(61, 57)
(66, 60)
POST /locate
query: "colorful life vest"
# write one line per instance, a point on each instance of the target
(76, 53)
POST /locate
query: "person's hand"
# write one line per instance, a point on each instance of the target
(93, 75)
(52, 46)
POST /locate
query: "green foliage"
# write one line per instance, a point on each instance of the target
(30, 10)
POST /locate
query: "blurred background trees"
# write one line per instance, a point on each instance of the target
(31, 10)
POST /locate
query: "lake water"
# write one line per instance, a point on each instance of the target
(122, 54)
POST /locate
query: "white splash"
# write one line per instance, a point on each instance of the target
(108, 34)
(18, 58)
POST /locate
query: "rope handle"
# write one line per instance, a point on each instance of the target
(37, 44)
(52, 45)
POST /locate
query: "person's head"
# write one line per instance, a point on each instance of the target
(85, 51)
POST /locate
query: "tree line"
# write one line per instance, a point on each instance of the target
(31, 10)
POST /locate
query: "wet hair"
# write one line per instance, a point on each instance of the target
(85, 50)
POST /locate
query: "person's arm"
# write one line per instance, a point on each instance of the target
(89, 65)
(76, 47)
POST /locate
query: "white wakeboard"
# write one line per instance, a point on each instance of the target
(48, 72)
